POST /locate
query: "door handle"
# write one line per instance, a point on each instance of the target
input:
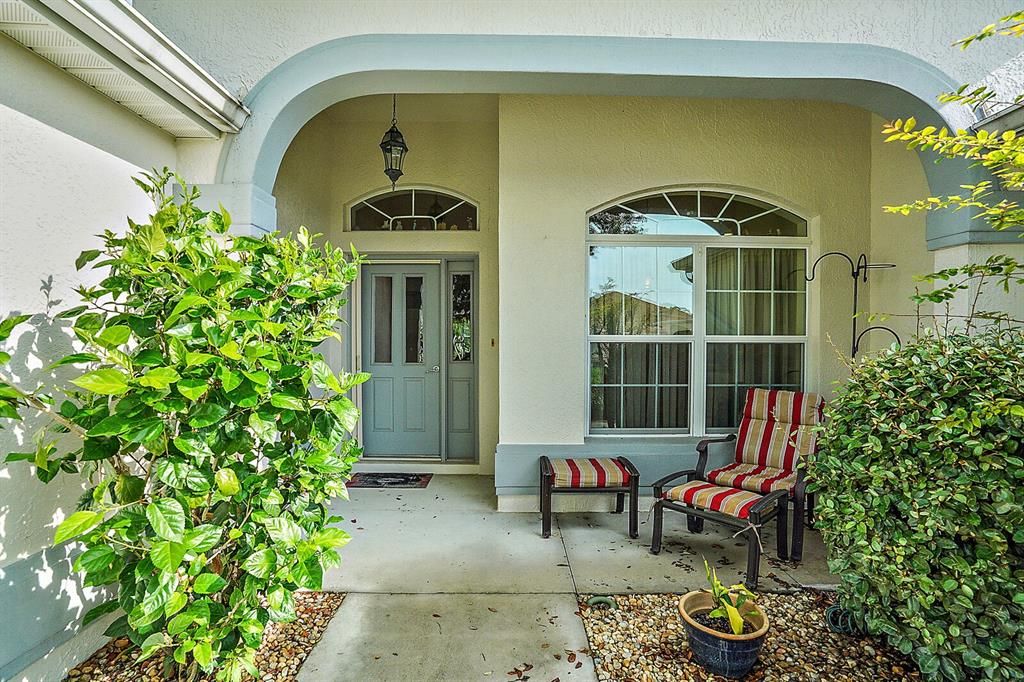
(434, 369)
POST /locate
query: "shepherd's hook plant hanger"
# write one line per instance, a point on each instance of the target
(859, 272)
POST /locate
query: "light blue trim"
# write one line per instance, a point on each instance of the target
(37, 607)
(886, 81)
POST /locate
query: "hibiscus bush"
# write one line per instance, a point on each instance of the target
(212, 432)
(921, 478)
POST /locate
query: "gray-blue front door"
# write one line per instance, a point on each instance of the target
(401, 350)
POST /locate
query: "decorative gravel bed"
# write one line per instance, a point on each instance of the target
(643, 641)
(285, 647)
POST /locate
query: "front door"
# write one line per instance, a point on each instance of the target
(401, 349)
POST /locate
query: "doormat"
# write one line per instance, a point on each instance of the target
(370, 480)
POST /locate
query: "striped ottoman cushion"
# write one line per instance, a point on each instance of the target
(732, 501)
(760, 479)
(593, 472)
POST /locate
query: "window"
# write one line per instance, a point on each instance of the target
(693, 297)
(413, 210)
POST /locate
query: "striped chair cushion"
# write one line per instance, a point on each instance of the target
(732, 501)
(790, 407)
(593, 472)
(778, 427)
(760, 479)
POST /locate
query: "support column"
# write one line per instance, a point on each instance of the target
(991, 297)
(253, 210)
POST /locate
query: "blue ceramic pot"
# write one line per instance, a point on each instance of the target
(722, 653)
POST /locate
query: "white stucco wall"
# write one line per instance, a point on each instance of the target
(276, 29)
(453, 143)
(66, 157)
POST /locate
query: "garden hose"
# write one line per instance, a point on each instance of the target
(607, 602)
(839, 620)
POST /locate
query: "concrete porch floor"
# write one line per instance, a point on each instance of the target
(443, 587)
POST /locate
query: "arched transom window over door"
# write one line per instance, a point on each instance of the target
(415, 209)
(694, 295)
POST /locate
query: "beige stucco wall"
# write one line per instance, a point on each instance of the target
(561, 156)
(453, 142)
(897, 177)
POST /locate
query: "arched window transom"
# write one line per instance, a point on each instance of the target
(698, 213)
(414, 210)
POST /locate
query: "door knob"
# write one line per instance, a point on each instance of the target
(435, 368)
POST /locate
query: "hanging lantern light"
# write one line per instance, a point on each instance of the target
(393, 146)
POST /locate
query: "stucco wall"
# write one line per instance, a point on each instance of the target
(453, 143)
(813, 157)
(897, 177)
(66, 157)
(275, 30)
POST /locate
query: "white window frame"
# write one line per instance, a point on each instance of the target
(699, 339)
(462, 199)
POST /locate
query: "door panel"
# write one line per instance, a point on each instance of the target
(402, 337)
(461, 354)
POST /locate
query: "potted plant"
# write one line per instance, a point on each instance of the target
(724, 626)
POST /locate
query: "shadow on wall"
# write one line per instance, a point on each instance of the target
(41, 597)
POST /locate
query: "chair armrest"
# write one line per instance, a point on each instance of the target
(702, 446)
(545, 466)
(660, 483)
(768, 501)
(702, 452)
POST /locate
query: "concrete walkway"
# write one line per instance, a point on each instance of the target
(443, 587)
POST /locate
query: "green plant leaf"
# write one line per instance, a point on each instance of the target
(8, 325)
(260, 564)
(159, 377)
(112, 337)
(129, 488)
(207, 414)
(203, 538)
(209, 583)
(144, 430)
(167, 556)
(193, 389)
(287, 402)
(284, 530)
(227, 482)
(167, 519)
(95, 558)
(110, 426)
(98, 611)
(86, 257)
(78, 523)
(103, 381)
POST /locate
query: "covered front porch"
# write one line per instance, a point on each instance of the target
(442, 586)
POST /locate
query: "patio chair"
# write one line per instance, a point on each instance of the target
(775, 433)
(590, 475)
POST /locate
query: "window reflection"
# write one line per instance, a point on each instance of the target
(462, 317)
(414, 320)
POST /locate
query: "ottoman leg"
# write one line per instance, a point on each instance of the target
(634, 504)
(620, 502)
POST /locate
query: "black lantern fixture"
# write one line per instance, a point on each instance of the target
(393, 146)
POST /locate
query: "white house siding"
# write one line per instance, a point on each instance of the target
(454, 145)
(263, 33)
(66, 157)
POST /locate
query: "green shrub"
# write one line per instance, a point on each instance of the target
(921, 477)
(212, 432)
